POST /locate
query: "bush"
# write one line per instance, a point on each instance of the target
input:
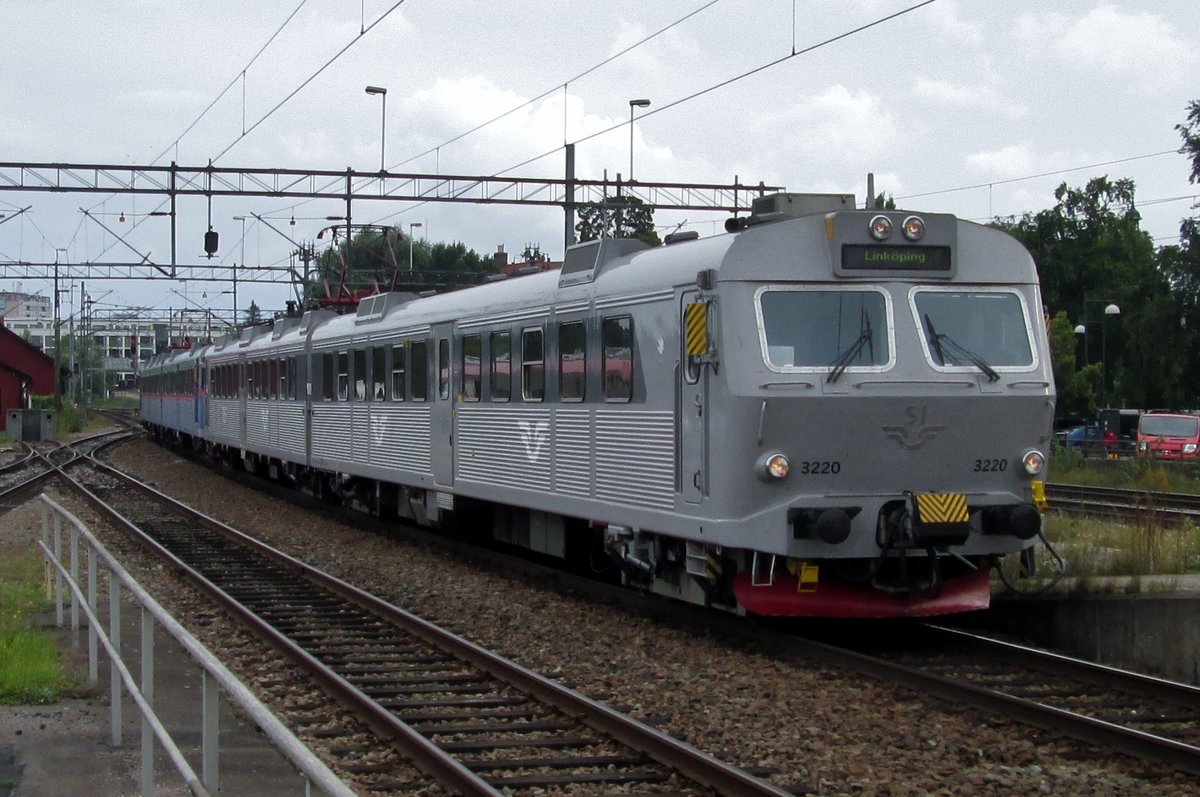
(72, 419)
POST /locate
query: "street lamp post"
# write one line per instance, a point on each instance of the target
(382, 92)
(242, 219)
(57, 338)
(411, 226)
(634, 104)
(1110, 308)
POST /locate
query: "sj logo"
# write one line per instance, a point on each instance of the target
(914, 433)
(533, 435)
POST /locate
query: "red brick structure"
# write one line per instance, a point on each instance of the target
(24, 371)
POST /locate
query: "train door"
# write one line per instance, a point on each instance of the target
(442, 416)
(692, 411)
(241, 368)
(201, 408)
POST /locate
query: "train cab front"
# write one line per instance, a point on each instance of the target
(899, 400)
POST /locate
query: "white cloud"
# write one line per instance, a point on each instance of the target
(1112, 40)
(1004, 163)
(943, 93)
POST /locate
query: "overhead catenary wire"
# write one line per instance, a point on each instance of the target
(1053, 173)
(309, 79)
(239, 76)
(560, 85)
(701, 92)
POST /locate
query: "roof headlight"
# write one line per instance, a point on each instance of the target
(773, 466)
(1034, 462)
(913, 228)
(881, 228)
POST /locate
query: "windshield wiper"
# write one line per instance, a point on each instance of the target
(939, 341)
(845, 358)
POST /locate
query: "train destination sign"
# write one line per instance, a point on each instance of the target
(895, 258)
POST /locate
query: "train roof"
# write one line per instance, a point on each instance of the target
(767, 246)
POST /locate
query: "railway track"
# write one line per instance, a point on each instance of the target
(1121, 503)
(471, 720)
(1136, 714)
(36, 464)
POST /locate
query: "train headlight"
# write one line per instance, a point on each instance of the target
(1034, 462)
(773, 467)
(1189, 448)
(913, 228)
(881, 228)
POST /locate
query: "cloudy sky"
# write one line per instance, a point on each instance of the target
(974, 107)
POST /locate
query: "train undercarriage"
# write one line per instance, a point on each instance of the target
(911, 576)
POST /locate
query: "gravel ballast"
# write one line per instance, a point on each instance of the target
(816, 731)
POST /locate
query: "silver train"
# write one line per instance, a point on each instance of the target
(824, 412)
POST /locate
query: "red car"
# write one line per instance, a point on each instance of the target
(1164, 435)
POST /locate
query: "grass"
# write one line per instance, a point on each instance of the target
(1071, 467)
(30, 671)
(1100, 548)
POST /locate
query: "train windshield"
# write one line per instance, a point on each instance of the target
(974, 329)
(832, 330)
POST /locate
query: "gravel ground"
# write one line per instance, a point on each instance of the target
(820, 731)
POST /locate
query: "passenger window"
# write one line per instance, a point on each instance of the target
(501, 366)
(360, 375)
(444, 368)
(378, 372)
(616, 337)
(328, 378)
(533, 365)
(343, 376)
(420, 371)
(398, 373)
(572, 361)
(472, 354)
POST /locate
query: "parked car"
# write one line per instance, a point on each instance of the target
(1165, 435)
(1088, 438)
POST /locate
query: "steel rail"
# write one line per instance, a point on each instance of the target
(667, 751)
(1093, 672)
(1140, 744)
(1119, 502)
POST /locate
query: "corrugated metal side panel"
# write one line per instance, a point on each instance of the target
(223, 421)
(291, 428)
(635, 457)
(399, 436)
(573, 452)
(331, 431)
(258, 429)
(508, 446)
(360, 433)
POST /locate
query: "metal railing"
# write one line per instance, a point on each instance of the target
(215, 676)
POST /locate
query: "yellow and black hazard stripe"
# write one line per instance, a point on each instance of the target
(695, 324)
(941, 508)
(713, 569)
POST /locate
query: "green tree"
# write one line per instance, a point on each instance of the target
(253, 314)
(377, 260)
(1090, 250)
(1190, 133)
(884, 202)
(617, 217)
(1077, 385)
